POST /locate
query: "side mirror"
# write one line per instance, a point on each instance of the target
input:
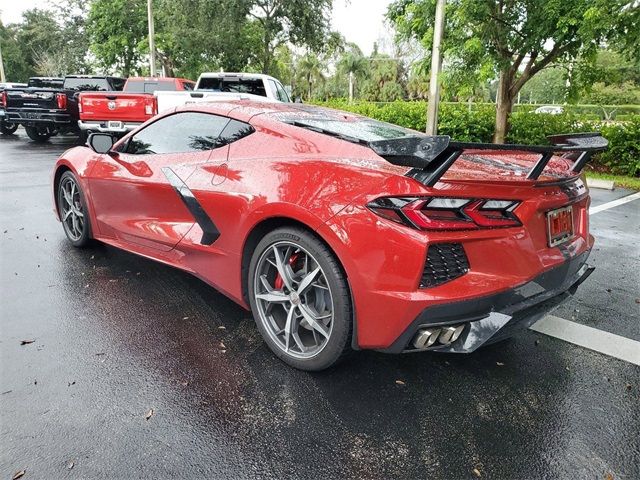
(101, 142)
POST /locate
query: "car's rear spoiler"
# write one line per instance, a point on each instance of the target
(432, 156)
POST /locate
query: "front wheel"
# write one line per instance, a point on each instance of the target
(73, 211)
(300, 299)
(8, 128)
(38, 134)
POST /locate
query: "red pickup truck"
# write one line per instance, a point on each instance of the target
(120, 112)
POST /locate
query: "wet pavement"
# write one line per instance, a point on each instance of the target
(118, 338)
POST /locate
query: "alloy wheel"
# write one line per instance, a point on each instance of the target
(71, 209)
(294, 299)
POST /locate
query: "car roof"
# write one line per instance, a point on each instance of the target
(158, 79)
(236, 74)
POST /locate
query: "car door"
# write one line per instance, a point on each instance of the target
(137, 190)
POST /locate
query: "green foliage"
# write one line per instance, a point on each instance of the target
(46, 42)
(117, 28)
(477, 123)
(623, 155)
(513, 40)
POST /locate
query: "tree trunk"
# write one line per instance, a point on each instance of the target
(504, 105)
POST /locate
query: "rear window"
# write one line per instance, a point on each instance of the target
(142, 86)
(46, 82)
(234, 85)
(87, 84)
(350, 127)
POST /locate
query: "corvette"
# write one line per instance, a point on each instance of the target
(337, 231)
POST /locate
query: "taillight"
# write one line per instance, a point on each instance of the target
(62, 100)
(3, 99)
(151, 106)
(436, 213)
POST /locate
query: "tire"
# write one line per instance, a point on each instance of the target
(38, 134)
(76, 223)
(8, 128)
(83, 136)
(319, 316)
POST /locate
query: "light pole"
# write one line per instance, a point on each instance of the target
(152, 44)
(2, 78)
(350, 87)
(434, 84)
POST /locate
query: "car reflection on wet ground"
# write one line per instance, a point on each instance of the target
(139, 370)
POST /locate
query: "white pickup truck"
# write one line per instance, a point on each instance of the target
(226, 86)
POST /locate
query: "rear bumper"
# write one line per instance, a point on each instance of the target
(103, 126)
(38, 117)
(496, 317)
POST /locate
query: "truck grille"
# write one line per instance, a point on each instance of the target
(445, 261)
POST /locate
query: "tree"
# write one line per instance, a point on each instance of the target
(117, 28)
(516, 39)
(299, 22)
(549, 86)
(309, 70)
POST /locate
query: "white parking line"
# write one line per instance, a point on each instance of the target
(588, 337)
(614, 203)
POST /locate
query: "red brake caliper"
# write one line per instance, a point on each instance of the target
(279, 282)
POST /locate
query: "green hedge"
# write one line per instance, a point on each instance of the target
(476, 124)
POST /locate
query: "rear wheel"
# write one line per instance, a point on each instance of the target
(38, 134)
(8, 128)
(300, 299)
(73, 210)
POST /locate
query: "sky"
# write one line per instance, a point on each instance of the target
(359, 21)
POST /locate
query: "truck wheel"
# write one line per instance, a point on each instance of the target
(38, 134)
(8, 128)
(83, 135)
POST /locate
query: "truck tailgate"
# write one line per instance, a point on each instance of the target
(31, 98)
(125, 107)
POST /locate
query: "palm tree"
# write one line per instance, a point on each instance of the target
(356, 66)
(310, 68)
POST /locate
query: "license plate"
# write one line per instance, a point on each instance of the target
(559, 225)
(114, 125)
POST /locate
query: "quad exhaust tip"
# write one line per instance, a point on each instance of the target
(427, 337)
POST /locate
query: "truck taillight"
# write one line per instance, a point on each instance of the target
(438, 213)
(3, 99)
(62, 100)
(151, 107)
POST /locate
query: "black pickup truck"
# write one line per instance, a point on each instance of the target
(7, 128)
(45, 112)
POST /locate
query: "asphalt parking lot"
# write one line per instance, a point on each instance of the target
(138, 370)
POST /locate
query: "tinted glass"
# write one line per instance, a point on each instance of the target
(39, 82)
(233, 84)
(141, 86)
(182, 132)
(87, 84)
(118, 83)
(235, 130)
(188, 85)
(347, 125)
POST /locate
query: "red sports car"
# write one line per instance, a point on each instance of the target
(340, 232)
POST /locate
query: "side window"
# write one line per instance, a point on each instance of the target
(181, 132)
(188, 85)
(235, 130)
(282, 93)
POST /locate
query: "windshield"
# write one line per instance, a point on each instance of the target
(234, 85)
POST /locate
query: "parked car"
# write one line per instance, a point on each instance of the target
(47, 111)
(7, 128)
(220, 86)
(338, 231)
(120, 112)
(550, 109)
